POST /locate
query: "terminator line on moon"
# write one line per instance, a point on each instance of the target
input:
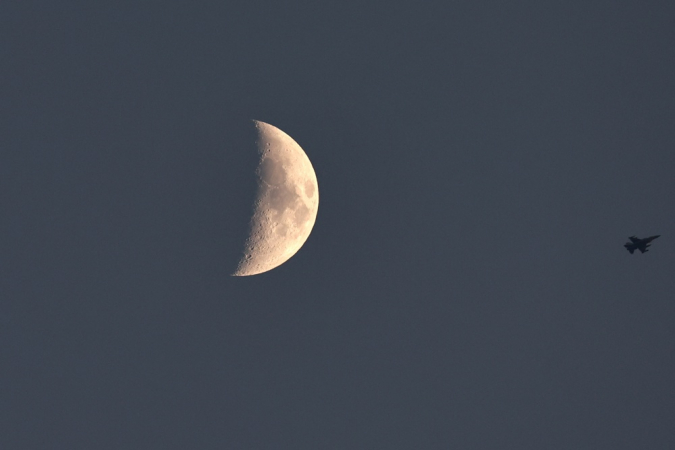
(286, 203)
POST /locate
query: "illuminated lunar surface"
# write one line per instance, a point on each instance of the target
(286, 203)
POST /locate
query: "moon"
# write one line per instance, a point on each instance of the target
(286, 203)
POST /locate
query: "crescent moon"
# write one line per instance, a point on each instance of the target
(286, 203)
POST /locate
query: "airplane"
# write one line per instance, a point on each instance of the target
(639, 244)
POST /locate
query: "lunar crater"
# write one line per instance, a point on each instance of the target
(272, 172)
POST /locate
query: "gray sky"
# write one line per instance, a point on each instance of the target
(480, 165)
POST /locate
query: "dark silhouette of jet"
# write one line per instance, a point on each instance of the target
(639, 244)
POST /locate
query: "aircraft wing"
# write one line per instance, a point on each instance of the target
(643, 248)
(634, 239)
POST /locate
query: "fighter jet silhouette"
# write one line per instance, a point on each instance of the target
(639, 244)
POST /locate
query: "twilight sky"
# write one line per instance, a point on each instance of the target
(480, 164)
